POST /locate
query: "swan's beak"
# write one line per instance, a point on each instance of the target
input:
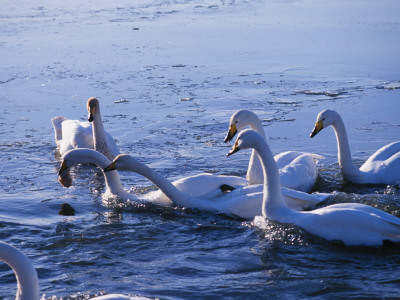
(110, 167)
(234, 149)
(231, 133)
(318, 127)
(64, 177)
(90, 117)
(62, 168)
(91, 108)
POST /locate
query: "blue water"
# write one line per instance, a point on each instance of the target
(168, 76)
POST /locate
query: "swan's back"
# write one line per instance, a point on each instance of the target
(71, 134)
(198, 186)
(300, 173)
(77, 134)
(352, 223)
(120, 297)
(204, 183)
(384, 164)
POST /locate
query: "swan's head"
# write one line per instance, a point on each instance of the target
(239, 120)
(79, 156)
(324, 119)
(245, 140)
(93, 107)
(123, 162)
(64, 175)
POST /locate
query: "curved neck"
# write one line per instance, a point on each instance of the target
(175, 195)
(255, 124)
(272, 198)
(90, 156)
(27, 280)
(99, 136)
(344, 154)
(113, 182)
(254, 170)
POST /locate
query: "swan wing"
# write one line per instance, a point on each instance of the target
(299, 200)
(56, 122)
(285, 158)
(300, 174)
(382, 154)
(205, 183)
(384, 165)
(246, 206)
(75, 134)
(112, 145)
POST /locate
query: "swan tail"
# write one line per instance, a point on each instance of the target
(56, 122)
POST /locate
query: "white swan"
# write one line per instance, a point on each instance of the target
(383, 167)
(297, 170)
(103, 142)
(244, 202)
(27, 279)
(352, 223)
(196, 186)
(71, 134)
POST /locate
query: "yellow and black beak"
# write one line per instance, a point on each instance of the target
(231, 133)
(234, 149)
(317, 128)
(110, 167)
(63, 167)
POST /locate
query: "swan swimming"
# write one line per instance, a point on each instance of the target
(244, 202)
(71, 134)
(27, 279)
(298, 170)
(196, 186)
(383, 167)
(352, 223)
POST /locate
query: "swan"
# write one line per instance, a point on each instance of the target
(102, 142)
(71, 134)
(244, 202)
(196, 186)
(297, 170)
(352, 223)
(383, 167)
(27, 279)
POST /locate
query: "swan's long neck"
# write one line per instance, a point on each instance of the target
(27, 280)
(112, 178)
(99, 136)
(175, 195)
(254, 170)
(349, 170)
(273, 203)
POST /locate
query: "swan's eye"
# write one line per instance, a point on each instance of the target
(236, 122)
